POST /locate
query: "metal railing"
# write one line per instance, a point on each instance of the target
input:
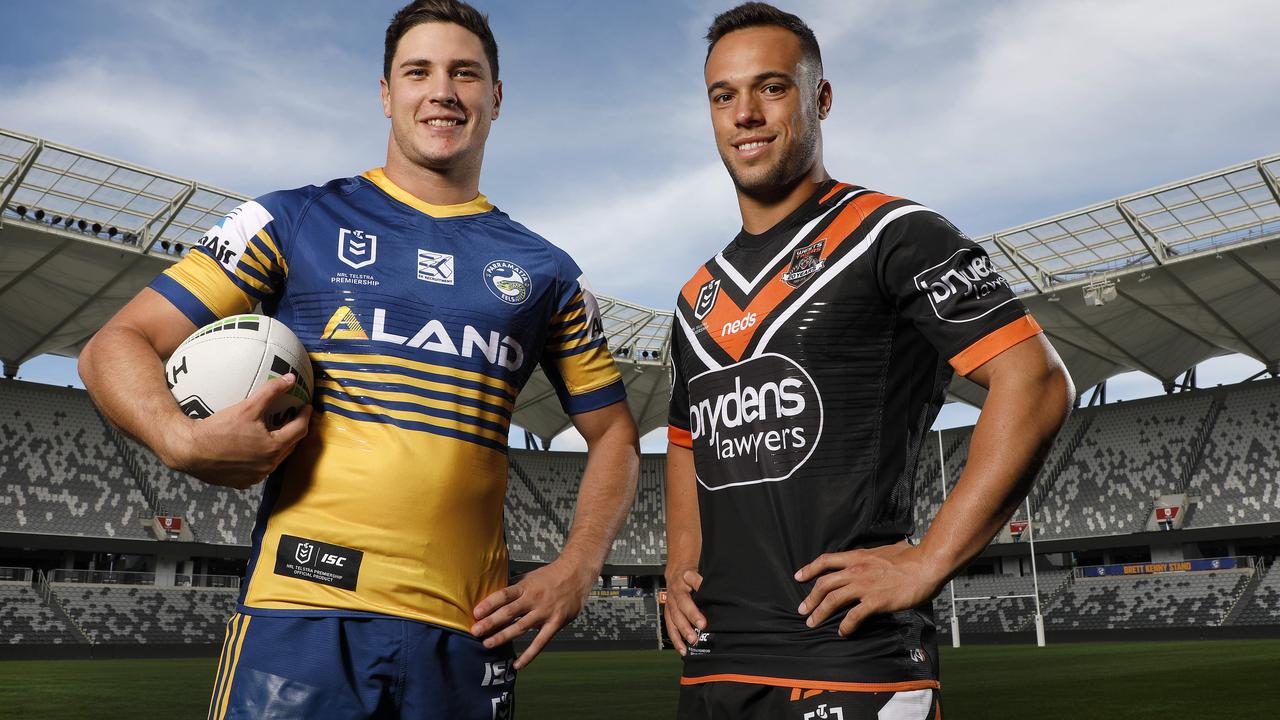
(206, 581)
(15, 574)
(102, 577)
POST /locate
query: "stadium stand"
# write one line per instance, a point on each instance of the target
(147, 615)
(631, 619)
(1262, 605)
(214, 514)
(994, 616)
(543, 486)
(59, 474)
(1237, 477)
(26, 620)
(1129, 453)
(1149, 601)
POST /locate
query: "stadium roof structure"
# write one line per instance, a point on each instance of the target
(1156, 281)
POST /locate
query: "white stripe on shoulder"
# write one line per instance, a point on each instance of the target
(742, 283)
(831, 272)
(692, 337)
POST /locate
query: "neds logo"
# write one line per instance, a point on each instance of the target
(756, 421)
(959, 288)
(738, 326)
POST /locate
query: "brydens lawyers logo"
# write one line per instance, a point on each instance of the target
(753, 422)
(507, 281)
(960, 287)
(357, 249)
(707, 295)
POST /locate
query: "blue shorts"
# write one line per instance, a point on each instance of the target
(345, 668)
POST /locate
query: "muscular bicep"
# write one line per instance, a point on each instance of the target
(1033, 359)
(610, 420)
(159, 321)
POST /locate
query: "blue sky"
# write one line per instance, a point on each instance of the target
(994, 113)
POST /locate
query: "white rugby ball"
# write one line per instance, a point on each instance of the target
(227, 360)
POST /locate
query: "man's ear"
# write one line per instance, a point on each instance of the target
(824, 99)
(386, 96)
(497, 98)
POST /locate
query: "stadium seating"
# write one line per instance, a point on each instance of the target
(1262, 606)
(643, 539)
(619, 618)
(1147, 601)
(59, 473)
(542, 493)
(994, 616)
(26, 620)
(1238, 479)
(148, 615)
(214, 514)
(1129, 453)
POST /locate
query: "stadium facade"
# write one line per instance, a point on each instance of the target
(1157, 517)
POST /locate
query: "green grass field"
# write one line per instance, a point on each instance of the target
(1203, 680)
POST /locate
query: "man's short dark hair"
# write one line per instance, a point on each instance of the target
(758, 14)
(442, 11)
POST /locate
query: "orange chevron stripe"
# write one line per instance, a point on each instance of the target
(772, 294)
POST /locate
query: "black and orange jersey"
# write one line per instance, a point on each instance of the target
(422, 322)
(809, 363)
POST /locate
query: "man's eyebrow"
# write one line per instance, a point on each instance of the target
(424, 62)
(767, 75)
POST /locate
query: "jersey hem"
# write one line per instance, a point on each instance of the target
(614, 392)
(903, 686)
(336, 612)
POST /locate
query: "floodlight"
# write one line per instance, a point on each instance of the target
(82, 225)
(164, 245)
(112, 232)
(39, 214)
(57, 220)
(97, 228)
(177, 247)
(21, 210)
(68, 222)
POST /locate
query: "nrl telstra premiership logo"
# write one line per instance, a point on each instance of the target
(357, 249)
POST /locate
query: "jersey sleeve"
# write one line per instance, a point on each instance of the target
(236, 265)
(678, 432)
(576, 358)
(945, 284)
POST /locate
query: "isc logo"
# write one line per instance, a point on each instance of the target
(334, 560)
(498, 673)
(738, 325)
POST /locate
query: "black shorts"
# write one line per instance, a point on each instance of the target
(743, 701)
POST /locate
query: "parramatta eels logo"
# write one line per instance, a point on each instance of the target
(753, 422)
(507, 281)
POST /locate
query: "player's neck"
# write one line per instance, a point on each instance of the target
(435, 187)
(762, 212)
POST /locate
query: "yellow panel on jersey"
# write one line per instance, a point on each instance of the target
(480, 204)
(435, 577)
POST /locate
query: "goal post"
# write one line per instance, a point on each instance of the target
(1035, 577)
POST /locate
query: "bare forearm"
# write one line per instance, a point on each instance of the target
(605, 497)
(125, 378)
(684, 529)
(1017, 426)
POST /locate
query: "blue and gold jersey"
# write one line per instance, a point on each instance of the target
(423, 322)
